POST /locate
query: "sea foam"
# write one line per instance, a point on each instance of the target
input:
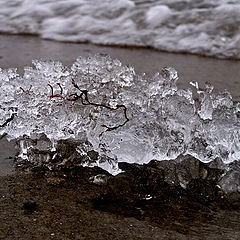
(203, 27)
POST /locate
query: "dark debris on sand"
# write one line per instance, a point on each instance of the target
(158, 200)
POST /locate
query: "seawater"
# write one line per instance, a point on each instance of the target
(206, 27)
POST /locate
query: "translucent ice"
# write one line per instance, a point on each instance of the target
(109, 114)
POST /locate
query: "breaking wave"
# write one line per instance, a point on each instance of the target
(207, 27)
(109, 114)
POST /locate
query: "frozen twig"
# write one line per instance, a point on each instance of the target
(85, 101)
(3, 136)
(8, 121)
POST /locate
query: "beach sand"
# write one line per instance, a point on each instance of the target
(64, 205)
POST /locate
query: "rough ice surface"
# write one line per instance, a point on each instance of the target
(208, 27)
(111, 114)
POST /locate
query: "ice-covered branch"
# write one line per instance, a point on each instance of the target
(143, 117)
(85, 101)
(8, 121)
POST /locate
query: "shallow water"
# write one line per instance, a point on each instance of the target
(203, 27)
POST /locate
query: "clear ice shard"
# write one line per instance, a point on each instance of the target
(110, 114)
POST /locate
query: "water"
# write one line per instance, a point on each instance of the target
(206, 27)
(108, 113)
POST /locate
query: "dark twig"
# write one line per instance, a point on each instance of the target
(85, 94)
(3, 136)
(120, 125)
(26, 90)
(56, 95)
(22, 89)
(8, 120)
(51, 89)
(85, 101)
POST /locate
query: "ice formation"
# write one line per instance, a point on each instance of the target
(112, 114)
(208, 27)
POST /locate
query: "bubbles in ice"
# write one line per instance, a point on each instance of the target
(110, 114)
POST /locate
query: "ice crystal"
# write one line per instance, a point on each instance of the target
(112, 114)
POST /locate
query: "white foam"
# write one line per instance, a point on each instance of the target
(209, 27)
(157, 15)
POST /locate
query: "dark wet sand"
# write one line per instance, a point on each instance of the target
(66, 208)
(7, 153)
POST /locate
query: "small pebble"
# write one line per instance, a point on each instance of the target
(29, 205)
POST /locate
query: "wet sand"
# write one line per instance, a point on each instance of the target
(7, 153)
(65, 205)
